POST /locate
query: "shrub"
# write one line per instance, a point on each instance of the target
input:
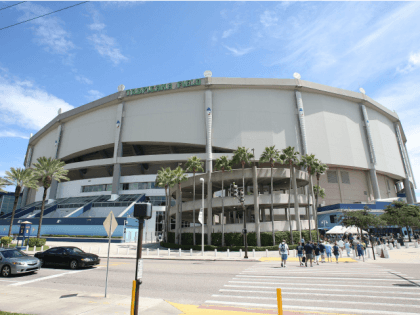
(38, 242)
(5, 240)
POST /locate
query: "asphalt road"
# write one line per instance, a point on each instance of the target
(345, 288)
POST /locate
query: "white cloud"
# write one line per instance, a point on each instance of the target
(83, 79)
(97, 26)
(49, 31)
(24, 104)
(228, 32)
(12, 134)
(239, 52)
(94, 95)
(413, 63)
(105, 46)
(268, 18)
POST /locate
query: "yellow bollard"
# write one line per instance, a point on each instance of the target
(133, 297)
(279, 302)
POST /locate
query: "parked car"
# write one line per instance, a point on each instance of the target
(13, 262)
(68, 256)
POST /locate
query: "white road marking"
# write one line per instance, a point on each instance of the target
(9, 280)
(310, 308)
(320, 289)
(323, 294)
(50, 277)
(310, 300)
(323, 278)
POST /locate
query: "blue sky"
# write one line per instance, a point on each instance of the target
(70, 58)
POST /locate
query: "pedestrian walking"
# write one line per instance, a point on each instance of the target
(336, 251)
(322, 251)
(340, 244)
(300, 250)
(284, 252)
(317, 253)
(360, 251)
(328, 252)
(347, 247)
(309, 249)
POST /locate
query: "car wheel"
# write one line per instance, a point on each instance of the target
(6, 271)
(73, 264)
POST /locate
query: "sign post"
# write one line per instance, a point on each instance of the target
(110, 224)
(201, 220)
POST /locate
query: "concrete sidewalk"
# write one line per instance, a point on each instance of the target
(52, 302)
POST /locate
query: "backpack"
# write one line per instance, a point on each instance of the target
(283, 248)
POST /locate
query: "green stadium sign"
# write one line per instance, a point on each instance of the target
(163, 87)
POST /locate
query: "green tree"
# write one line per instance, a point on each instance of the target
(271, 154)
(179, 176)
(19, 178)
(243, 157)
(194, 165)
(363, 220)
(291, 157)
(403, 215)
(46, 170)
(165, 179)
(3, 183)
(308, 162)
(224, 164)
(319, 169)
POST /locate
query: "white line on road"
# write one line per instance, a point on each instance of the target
(320, 289)
(310, 300)
(50, 277)
(310, 308)
(322, 278)
(319, 284)
(323, 294)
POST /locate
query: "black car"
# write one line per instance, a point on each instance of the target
(68, 256)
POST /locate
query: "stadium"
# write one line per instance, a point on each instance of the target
(114, 146)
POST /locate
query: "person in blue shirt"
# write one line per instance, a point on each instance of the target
(300, 249)
(347, 247)
(328, 252)
(336, 251)
(309, 249)
(360, 251)
(284, 252)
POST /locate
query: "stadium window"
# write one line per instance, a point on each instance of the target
(332, 177)
(332, 218)
(345, 178)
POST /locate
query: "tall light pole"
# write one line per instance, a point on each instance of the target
(202, 211)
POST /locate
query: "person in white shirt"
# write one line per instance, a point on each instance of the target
(284, 252)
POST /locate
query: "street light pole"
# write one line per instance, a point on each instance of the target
(202, 224)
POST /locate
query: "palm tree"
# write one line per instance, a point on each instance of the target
(3, 183)
(20, 178)
(180, 176)
(242, 156)
(320, 169)
(271, 154)
(290, 156)
(224, 164)
(194, 165)
(165, 178)
(47, 170)
(308, 161)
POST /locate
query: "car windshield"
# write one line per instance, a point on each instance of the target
(13, 253)
(74, 250)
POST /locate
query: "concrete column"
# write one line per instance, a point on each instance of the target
(374, 178)
(263, 214)
(208, 105)
(27, 165)
(369, 186)
(117, 149)
(407, 186)
(301, 115)
(411, 169)
(209, 208)
(296, 206)
(256, 205)
(177, 219)
(339, 185)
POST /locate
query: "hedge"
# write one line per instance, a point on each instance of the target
(35, 242)
(236, 239)
(6, 240)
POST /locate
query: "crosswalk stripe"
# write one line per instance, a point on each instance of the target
(323, 294)
(310, 300)
(310, 308)
(317, 284)
(323, 289)
(322, 278)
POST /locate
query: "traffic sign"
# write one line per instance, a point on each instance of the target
(140, 269)
(201, 216)
(110, 224)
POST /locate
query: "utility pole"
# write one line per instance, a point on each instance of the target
(241, 197)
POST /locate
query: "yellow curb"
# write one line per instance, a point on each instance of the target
(194, 310)
(295, 259)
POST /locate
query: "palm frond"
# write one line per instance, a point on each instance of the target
(241, 155)
(223, 163)
(194, 165)
(48, 169)
(21, 177)
(270, 154)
